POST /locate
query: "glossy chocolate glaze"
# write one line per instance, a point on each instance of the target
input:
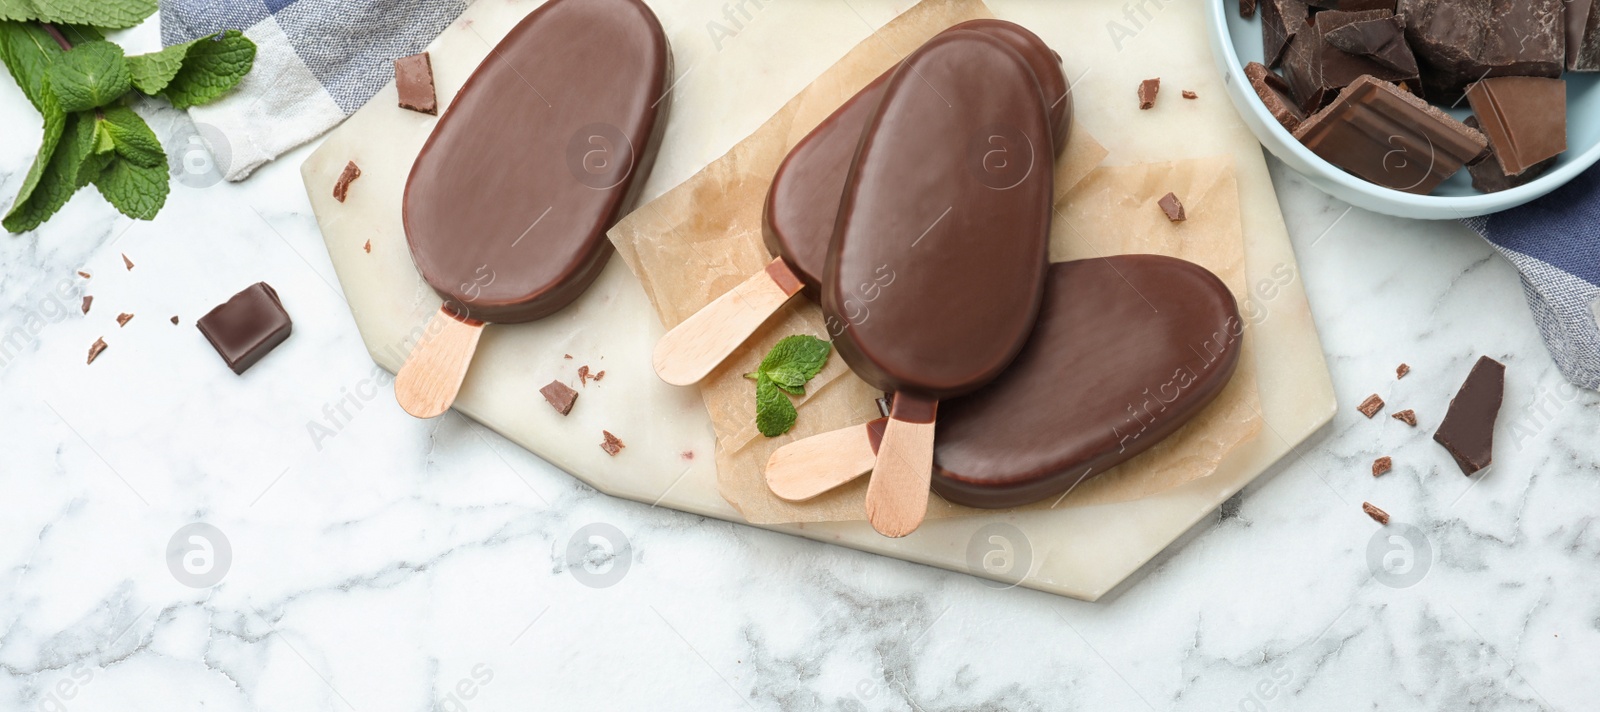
(1127, 350)
(802, 204)
(540, 152)
(937, 264)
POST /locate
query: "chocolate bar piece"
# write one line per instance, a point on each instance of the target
(1276, 95)
(1583, 35)
(1458, 42)
(1172, 207)
(1383, 40)
(1281, 21)
(247, 326)
(1468, 428)
(1147, 93)
(1387, 136)
(1489, 177)
(413, 80)
(1524, 118)
(1318, 70)
(560, 396)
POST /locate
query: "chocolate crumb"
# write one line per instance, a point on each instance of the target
(87, 300)
(83, 274)
(1401, 371)
(1377, 515)
(1190, 95)
(1247, 9)
(95, 349)
(174, 319)
(1382, 465)
(127, 262)
(583, 375)
(560, 395)
(1147, 93)
(341, 187)
(687, 454)
(1371, 405)
(367, 247)
(612, 444)
(1407, 416)
(124, 318)
(567, 356)
(1172, 207)
(599, 375)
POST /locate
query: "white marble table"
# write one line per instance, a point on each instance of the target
(406, 565)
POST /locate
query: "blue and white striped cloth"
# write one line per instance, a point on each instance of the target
(317, 61)
(1555, 242)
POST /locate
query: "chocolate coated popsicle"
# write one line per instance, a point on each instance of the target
(949, 196)
(540, 152)
(1127, 350)
(801, 207)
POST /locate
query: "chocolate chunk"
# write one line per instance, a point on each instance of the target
(83, 274)
(174, 319)
(1488, 175)
(1524, 118)
(1382, 40)
(1147, 93)
(1377, 515)
(341, 187)
(1172, 207)
(1371, 405)
(1276, 95)
(1353, 5)
(1281, 21)
(1389, 137)
(1407, 416)
(95, 349)
(1583, 35)
(124, 318)
(413, 80)
(1190, 95)
(1382, 465)
(1468, 428)
(127, 262)
(560, 395)
(1247, 9)
(1401, 371)
(87, 300)
(247, 326)
(1318, 70)
(1458, 42)
(612, 444)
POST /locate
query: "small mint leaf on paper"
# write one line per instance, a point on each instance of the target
(110, 14)
(790, 379)
(92, 75)
(211, 67)
(802, 352)
(132, 137)
(58, 178)
(136, 191)
(775, 415)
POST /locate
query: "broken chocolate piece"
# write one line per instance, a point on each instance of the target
(1377, 515)
(1190, 95)
(1524, 118)
(1318, 70)
(1172, 207)
(367, 247)
(87, 300)
(612, 444)
(560, 396)
(1468, 428)
(1147, 93)
(247, 326)
(413, 80)
(1401, 371)
(124, 318)
(1382, 465)
(1371, 405)
(1458, 42)
(83, 274)
(1407, 416)
(1276, 95)
(1391, 138)
(1583, 35)
(1383, 40)
(1247, 9)
(1281, 21)
(95, 349)
(174, 319)
(1488, 175)
(341, 187)
(127, 262)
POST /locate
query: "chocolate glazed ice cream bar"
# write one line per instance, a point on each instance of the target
(962, 222)
(507, 205)
(1127, 349)
(801, 208)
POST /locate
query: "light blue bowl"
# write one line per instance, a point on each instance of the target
(1236, 41)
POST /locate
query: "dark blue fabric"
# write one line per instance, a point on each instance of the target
(1561, 229)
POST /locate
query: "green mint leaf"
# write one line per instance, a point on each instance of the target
(58, 179)
(801, 352)
(136, 191)
(91, 75)
(112, 14)
(132, 137)
(775, 415)
(790, 379)
(153, 72)
(211, 67)
(28, 51)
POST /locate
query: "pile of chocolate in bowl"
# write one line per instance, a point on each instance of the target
(1365, 83)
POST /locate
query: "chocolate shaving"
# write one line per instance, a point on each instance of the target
(1147, 93)
(95, 349)
(612, 444)
(1401, 371)
(1467, 431)
(1371, 405)
(124, 318)
(87, 300)
(560, 396)
(83, 274)
(1172, 207)
(1381, 465)
(583, 375)
(1190, 95)
(599, 375)
(1377, 515)
(367, 247)
(341, 187)
(1407, 416)
(127, 262)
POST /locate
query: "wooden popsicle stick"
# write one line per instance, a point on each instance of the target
(897, 495)
(693, 348)
(428, 382)
(806, 468)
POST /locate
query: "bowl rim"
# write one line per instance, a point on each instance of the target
(1466, 206)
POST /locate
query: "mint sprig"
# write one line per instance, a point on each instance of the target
(82, 86)
(791, 363)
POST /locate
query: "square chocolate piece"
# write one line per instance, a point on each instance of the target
(413, 79)
(1467, 432)
(1391, 138)
(247, 326)
(1524, 118)
(1276, 95)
